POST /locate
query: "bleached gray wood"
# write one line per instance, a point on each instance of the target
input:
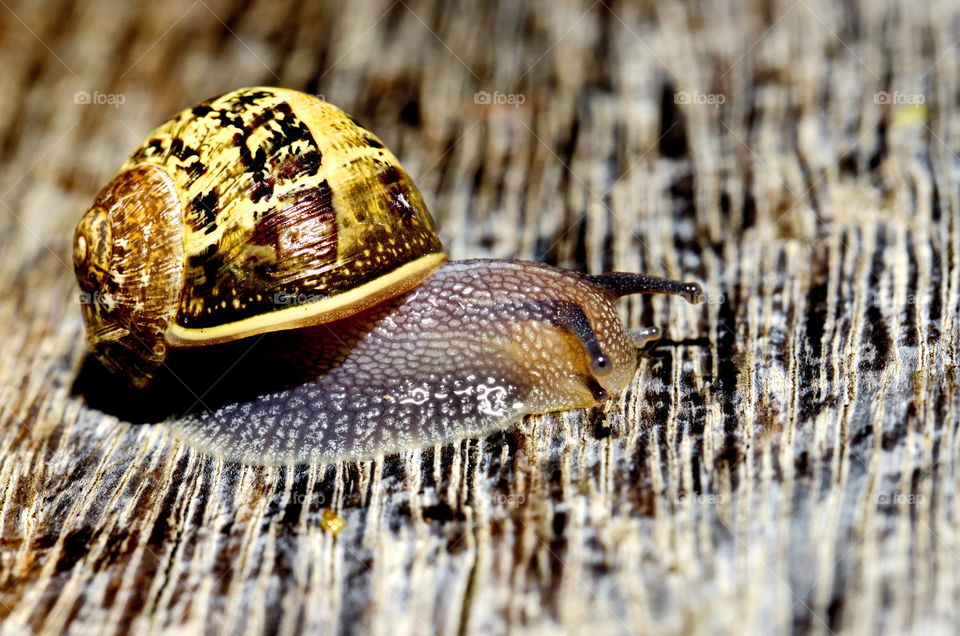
(787, 463)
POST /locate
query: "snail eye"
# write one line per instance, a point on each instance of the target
(600, 364)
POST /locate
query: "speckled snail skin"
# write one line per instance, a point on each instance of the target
(265, 210)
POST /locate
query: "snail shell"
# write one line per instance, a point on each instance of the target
(231, 209)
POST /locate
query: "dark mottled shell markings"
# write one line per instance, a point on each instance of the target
(287, 200)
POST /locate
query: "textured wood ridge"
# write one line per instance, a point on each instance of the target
(786, 462)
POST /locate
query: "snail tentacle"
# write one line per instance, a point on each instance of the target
(625, 283)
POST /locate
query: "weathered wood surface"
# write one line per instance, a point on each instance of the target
(787, 462)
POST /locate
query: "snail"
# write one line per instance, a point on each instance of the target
(271, 211)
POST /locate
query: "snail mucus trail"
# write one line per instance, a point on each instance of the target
(262, 195)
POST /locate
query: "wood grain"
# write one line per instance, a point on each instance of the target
(786, 461)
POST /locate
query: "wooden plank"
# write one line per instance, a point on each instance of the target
(785, 462)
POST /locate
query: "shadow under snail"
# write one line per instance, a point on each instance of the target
(267, 209)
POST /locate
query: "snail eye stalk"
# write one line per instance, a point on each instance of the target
(623, 284)
(641, 336)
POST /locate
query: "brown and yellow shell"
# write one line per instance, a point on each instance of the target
(261, 209)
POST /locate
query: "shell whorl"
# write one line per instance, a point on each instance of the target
(128, 258)
(281, 211)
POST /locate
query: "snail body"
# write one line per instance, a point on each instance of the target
(270, 211)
